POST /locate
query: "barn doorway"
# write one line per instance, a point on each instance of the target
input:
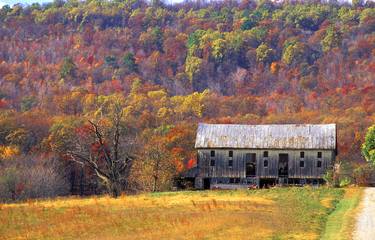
(250, 164)
(206, 183)
(283, 164)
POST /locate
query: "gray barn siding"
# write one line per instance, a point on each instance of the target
(222, 169)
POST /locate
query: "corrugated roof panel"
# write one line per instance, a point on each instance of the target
(276, 136)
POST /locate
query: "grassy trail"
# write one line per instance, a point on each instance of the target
(341, 222)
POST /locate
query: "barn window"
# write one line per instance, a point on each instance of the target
(319, 164)
(212, 153)
(301, 164)
(265, 163)
(230, 163)
(319, 154)
(212, 162)
(265, 154)
(302, 154)
(230, 154)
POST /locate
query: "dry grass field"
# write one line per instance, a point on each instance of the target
(281, 213)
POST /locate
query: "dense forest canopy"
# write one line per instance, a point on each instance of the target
(172, 66)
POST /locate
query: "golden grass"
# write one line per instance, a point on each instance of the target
(287, 213)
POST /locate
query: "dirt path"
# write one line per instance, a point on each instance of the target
(365, 227)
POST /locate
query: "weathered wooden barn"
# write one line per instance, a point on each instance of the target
(232, 156)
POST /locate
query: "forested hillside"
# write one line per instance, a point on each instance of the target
(168, 67)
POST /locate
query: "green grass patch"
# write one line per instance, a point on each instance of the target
(340, 223)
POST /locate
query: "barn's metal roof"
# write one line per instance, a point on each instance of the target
(276, 136)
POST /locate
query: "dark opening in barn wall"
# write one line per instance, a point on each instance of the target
(206, 183)
(301, 164)
(250, 164)
(283, 164)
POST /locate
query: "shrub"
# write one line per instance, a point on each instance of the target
(24, 178)
(328, 177)
(363, 174)
(368, 147)
(344, 182)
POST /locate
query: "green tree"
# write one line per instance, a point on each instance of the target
(264, 53)
(129, 62)
(248, 23)
(192, 66)
(152, 39)
(68, 68)
(368, 147)
(293, 52)
(4, 11)
(347, 15)
(255, 36)
(332, 39)
(367, 15)
(111, 61)
(195, 37)
(218, 48)
(27, 103)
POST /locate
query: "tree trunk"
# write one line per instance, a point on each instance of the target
(155, 183)
(115, 189)
(81, 185)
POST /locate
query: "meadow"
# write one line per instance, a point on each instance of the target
(280, 213)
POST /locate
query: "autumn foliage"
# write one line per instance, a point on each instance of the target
(172, 66)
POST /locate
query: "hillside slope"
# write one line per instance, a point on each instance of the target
(169, 67)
